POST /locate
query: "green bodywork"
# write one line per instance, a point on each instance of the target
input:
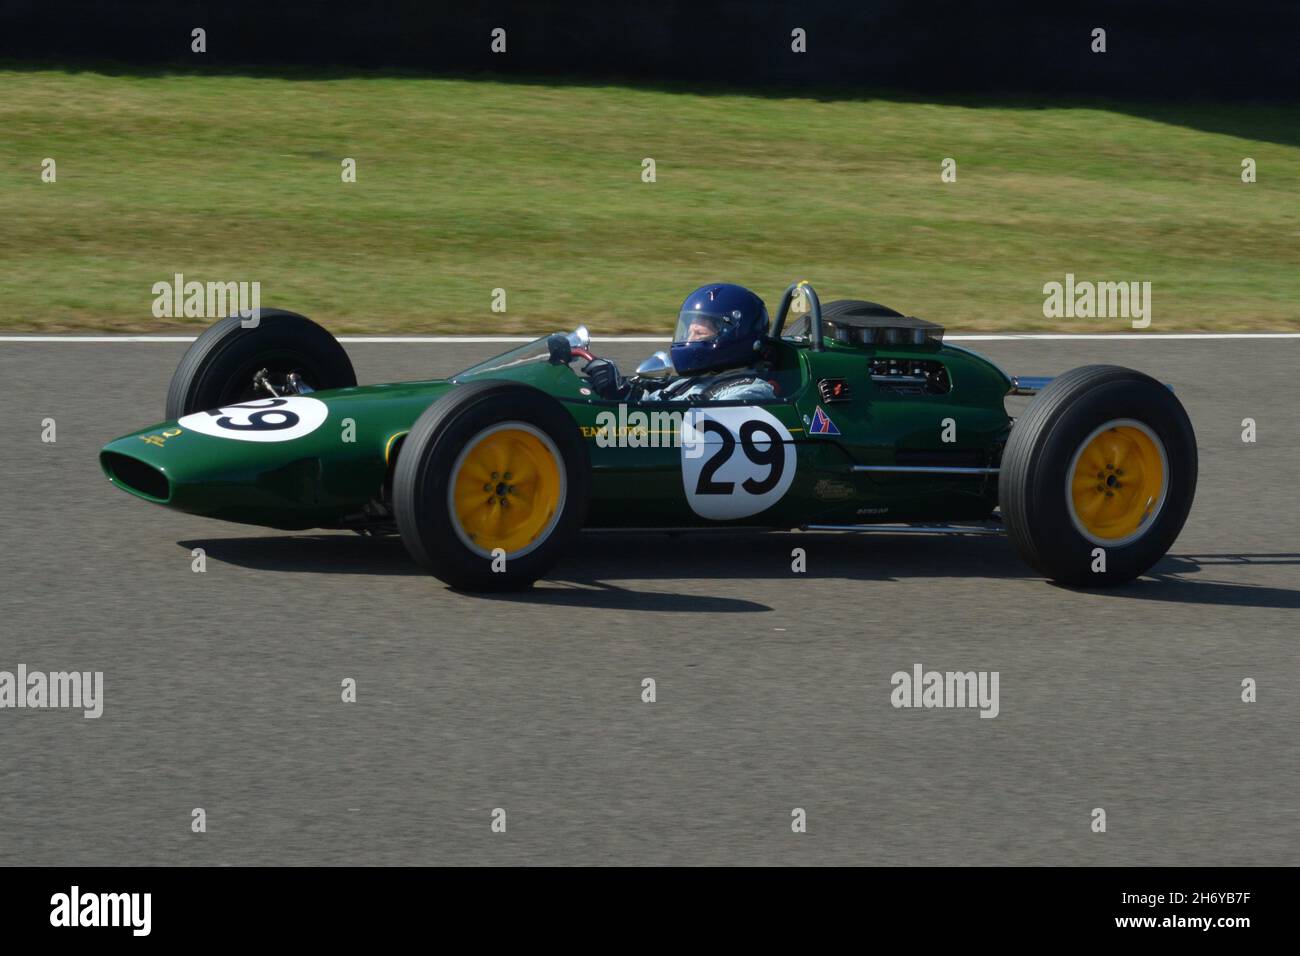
(323, 480)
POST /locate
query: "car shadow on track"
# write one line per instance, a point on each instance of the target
(592, 574)
(1168, 581)
(738, 561)
(353, 554)
(311, 553)
(589, 576)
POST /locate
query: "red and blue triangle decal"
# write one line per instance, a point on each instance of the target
(822, 424)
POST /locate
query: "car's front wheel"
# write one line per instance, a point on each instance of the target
(491, 486)
(1098, 476)
(235, 359)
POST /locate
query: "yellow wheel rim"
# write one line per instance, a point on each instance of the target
(1117, 482)
(507, 490)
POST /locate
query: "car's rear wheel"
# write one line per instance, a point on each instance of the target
(1098, 476)
(857, 307)
(490, 486)
(221, 366)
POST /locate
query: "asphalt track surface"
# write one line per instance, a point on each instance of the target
(222, 689)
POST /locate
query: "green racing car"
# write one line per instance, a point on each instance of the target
(843, 417)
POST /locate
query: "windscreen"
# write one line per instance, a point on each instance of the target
(536, 351)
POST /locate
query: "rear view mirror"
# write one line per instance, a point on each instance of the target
(579, 338)
(658, 365)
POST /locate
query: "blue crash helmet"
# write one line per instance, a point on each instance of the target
(719, 327)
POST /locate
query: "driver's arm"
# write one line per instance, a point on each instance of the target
(606, 381)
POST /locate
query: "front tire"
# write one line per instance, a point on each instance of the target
(1098, 476)
(219, 366)
(491, 486)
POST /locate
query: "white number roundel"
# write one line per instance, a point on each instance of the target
(261, 419)
(736, 461)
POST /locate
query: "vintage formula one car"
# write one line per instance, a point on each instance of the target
(875, 424)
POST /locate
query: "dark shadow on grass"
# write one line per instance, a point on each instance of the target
(1274, 117)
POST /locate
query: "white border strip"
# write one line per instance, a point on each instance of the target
(656, 340)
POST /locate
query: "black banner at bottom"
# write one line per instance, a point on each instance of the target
(338, 905)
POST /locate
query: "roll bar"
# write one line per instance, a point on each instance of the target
(815, 307)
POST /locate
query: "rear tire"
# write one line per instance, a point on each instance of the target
(452, 518)
(219, 366)
(1105, 457)
(857, 307)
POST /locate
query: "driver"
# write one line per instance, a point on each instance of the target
(715, 351)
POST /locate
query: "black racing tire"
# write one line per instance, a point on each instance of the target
(802, 325)
(857, 307)
(219, 366)
(1046, 458)
(423, 479)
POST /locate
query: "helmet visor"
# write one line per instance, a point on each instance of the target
(695, 325)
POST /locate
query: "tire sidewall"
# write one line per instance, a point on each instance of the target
(1063, 551)
(223, 359)
(423, 478)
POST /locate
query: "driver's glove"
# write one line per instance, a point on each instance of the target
(605, 378)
